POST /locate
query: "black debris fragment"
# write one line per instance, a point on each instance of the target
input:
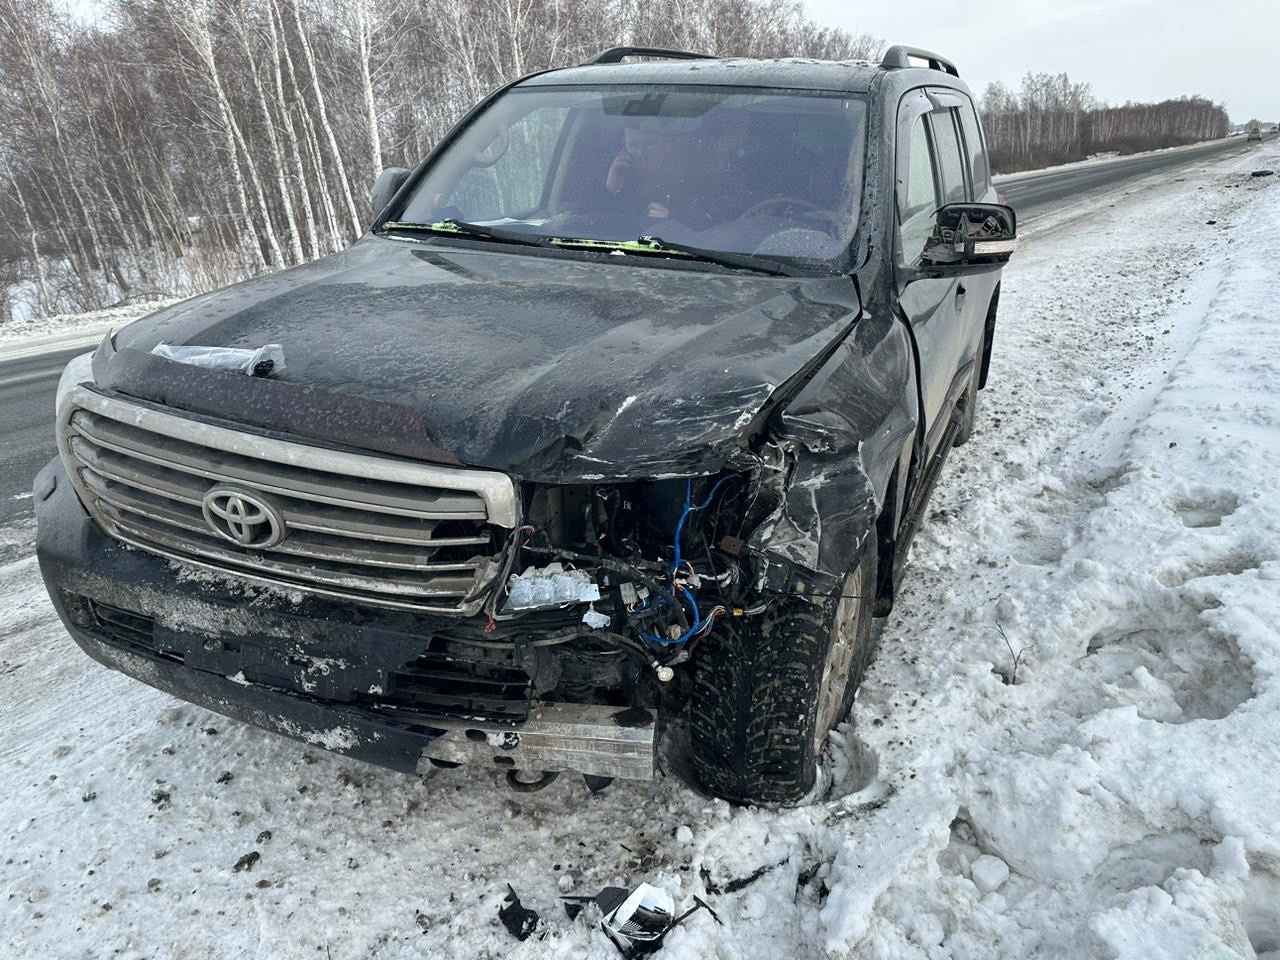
(264, 836)
(633, 717)
(160, 798)
(1262, 173)
(594, 783)
(738, 883)
(518, 919)
(247, 862)
(226, 776)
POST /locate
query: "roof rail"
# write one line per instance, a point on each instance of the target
(618, 54)
(898, 56)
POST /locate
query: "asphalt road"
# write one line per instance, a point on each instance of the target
(27, 384)
(1036, 193)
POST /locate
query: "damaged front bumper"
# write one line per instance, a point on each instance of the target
(350, 679)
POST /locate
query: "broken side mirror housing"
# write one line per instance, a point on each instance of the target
(384, 188)
(970, 238)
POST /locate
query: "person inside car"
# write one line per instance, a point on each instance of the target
(648, 178)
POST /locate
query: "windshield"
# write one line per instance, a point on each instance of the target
(771, 173)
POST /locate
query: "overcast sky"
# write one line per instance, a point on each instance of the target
(1227, 50)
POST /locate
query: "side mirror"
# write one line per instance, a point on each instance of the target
(971, 235)
(385, 187)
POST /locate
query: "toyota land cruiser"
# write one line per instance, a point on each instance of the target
(627, 406)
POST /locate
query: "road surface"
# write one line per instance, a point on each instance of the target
(27, 386)
(1031, 194)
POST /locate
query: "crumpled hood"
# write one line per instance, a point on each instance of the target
(548, 368)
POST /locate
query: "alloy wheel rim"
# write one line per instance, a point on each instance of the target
(839, 662)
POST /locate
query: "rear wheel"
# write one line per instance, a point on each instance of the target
(768, 690)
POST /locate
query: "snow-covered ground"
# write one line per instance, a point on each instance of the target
(1069, 746)
(26, 336)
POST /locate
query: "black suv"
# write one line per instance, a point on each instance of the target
(627, 407)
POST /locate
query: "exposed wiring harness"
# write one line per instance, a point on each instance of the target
(700, 626)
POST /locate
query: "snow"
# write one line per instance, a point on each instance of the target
(1112, 528)
(988, 873)
(18, 334)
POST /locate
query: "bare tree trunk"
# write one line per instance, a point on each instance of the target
(313, 147)
(45, 303)
(364, 50)
(326, 125)
(285, 114)
(277, 157)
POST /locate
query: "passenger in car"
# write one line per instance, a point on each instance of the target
(648, 178)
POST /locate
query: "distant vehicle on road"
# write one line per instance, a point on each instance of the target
(1255, 133)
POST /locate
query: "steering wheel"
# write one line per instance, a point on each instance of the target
(782, 201)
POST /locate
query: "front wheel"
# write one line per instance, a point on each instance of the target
(768, 690)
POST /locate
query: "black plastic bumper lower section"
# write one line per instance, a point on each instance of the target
(349, 732)
(319, 672)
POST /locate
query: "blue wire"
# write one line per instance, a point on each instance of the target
(675, 565)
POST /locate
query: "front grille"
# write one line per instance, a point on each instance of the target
(445, 684)
(362, 527)
(123, 626)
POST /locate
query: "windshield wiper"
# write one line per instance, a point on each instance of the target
(451, 226)
(737, 261)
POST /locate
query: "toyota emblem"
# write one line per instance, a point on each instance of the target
(246, 519)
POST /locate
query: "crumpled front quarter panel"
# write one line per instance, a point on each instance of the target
(845, 432)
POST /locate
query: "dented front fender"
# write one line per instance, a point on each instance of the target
(829, 459)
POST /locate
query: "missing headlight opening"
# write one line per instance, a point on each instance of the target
(664, 557)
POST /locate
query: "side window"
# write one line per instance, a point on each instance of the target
(510, 174)
(947, 142)
(920, 192)
(977, 152)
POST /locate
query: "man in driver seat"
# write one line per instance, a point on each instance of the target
(647, 178)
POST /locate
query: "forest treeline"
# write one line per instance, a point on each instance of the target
(171, 146)
(165, 147)
(1051, 120)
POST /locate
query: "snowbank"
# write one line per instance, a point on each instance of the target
(1108, 541)
(19, 333)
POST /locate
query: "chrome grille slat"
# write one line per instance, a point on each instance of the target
(272, 479)
(362, 527)
(397, 559)
(383, 583)
(303, 515)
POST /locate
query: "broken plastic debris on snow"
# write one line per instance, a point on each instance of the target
(262, 362)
